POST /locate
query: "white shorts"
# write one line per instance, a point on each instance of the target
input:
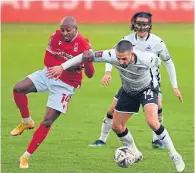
(59, 92)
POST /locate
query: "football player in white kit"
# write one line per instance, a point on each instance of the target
(139, 87)
(142, 39)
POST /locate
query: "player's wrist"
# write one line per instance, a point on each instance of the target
(108, 73)
(62, 66)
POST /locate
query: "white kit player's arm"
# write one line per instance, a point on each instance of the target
(97, 56)
(165, 56)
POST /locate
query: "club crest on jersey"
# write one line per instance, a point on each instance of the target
(75, 49)
(149, 48)
(98, 54)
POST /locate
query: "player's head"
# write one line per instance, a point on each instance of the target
(68, 27)
(124, 53)
(141, 23)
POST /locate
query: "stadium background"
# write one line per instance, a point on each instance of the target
(25, 30)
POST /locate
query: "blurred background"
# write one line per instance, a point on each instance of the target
(26, 27)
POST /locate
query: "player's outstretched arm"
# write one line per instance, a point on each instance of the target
(56, 71)
(87, 56)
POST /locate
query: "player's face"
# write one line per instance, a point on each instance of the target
(142, 26)
(68, 33)
(125, 58)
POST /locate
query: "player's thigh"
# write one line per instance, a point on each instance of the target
(120, 120)
(25, 86)
(114, 102)
(149, 101)
(39, 79)
(59, 95)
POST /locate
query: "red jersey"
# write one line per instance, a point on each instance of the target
(58, 51)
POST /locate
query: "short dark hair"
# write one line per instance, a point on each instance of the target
(123, 46)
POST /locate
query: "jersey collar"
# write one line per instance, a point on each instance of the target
(146, 38)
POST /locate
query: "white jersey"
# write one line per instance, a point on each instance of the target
(154, 44)
(135, 77)
(151, 43)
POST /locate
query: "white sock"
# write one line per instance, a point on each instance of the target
(154, 136)
(128, 140)
(167, 142)
(27, 120)
(27, 154)
(106, 128)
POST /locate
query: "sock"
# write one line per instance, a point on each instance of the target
(164, 137)
(160, 118)
(22, 103)
(27, 154)
(26, 120)
(106, 128)
(127, 140)
(38, 137)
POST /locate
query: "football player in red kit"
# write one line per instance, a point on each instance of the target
(63, 45)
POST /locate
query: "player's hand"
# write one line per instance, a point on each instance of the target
(106, 79)
(87, 56)
(178, 94)
(55, 72)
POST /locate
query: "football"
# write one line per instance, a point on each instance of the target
(124, 157)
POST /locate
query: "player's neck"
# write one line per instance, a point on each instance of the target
(143, 37)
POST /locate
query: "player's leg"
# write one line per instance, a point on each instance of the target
(39, 135)
(149, 101)
(59, 97)
(107, 123)
(33, 83)
(155, 141)
(125, 107)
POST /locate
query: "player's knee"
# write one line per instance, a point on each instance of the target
(17, 88)
(153, 123)
(47, 122)
(117, 128)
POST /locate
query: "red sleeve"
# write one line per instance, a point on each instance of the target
(88, 66)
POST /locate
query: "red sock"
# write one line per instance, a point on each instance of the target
(38, 137)
(22, 103)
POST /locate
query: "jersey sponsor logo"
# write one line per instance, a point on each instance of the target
(149, 48)
(76, 45)
(60, 42)
(98, 54)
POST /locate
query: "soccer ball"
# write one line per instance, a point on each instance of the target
(124, 157)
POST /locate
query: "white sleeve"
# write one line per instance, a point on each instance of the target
(172, 72)
(108, 67)
(108, 56)
(165, 56)
(76, 60)
(163, 51)
(98, 56)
